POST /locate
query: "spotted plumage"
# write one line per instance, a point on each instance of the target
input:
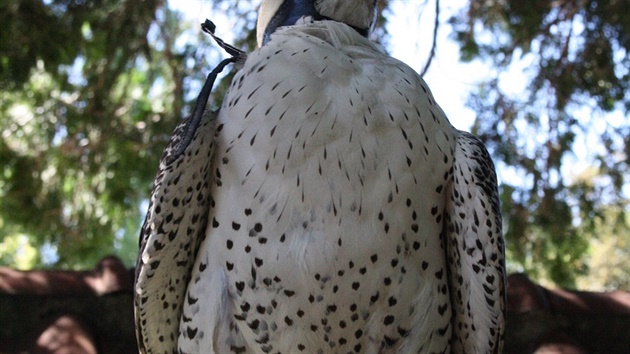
(329, 207)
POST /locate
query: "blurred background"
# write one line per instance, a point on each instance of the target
(91, 90)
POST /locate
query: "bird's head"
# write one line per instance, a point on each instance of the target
(273, 14)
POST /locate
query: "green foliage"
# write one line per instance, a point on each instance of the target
(577, 73)
(81, 125)
(23, 40)
(608, 257)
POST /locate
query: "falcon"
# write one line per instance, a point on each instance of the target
(328, 206)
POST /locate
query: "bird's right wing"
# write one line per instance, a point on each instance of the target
(174, 226)
(475, 250)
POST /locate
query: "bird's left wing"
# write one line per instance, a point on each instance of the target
(176, 220)
(175, 223)
(475, 250)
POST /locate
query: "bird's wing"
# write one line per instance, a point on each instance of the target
(474, 249)
(174, 226)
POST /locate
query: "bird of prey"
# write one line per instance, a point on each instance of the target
(328, 206)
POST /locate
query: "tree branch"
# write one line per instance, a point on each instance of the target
(434, 44)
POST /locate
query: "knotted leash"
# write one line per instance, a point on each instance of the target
(200, 104)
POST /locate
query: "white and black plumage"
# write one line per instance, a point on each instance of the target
(328, 207)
